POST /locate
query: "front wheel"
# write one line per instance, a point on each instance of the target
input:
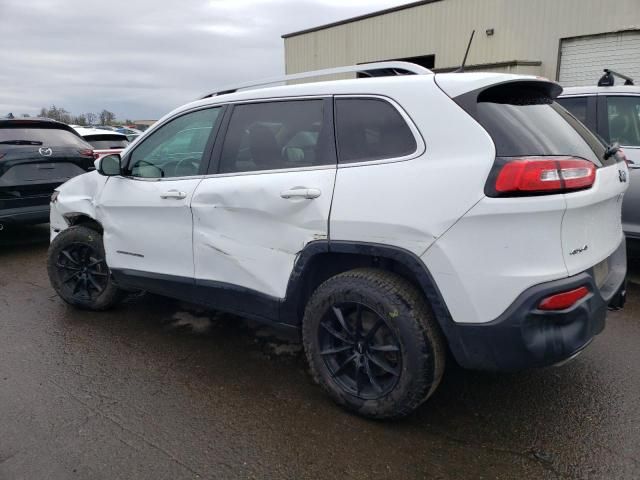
(372, 343)
(78, 271)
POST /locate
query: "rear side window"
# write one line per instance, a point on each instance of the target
(577, 106)
(107, 141)
(278, 135)
(371, 129)
(49, 137)
(624, 120)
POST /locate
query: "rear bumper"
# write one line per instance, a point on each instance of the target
(25, 215)
(525, 337)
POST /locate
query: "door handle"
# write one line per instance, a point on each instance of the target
(309, 193)
(174, 194)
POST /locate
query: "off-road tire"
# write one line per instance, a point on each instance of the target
(109, 296)
(407, 315)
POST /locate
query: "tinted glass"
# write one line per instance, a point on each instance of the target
(577, 106)
(277, 135)
(50, 137)
(624, 120)
(177, 148)
(524, 121)
(106, 141)
(371, 129)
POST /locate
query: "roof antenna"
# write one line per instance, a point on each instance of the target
(464, 60)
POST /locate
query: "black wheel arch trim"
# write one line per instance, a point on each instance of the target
(408, 259)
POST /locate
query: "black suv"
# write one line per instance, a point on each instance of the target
(37, 155)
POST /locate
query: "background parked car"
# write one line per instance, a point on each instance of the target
(613, 113)
(131, 133)
(36, 156)
(104, 142)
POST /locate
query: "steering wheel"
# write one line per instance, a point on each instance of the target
(195, 166)
(140, 163)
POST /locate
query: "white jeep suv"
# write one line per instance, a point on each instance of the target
(390, 219)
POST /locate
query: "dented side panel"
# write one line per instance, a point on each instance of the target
(144, 228)
(247, 234)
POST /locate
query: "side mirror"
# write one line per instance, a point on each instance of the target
(110, 166)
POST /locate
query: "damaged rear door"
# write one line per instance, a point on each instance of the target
(268, 194)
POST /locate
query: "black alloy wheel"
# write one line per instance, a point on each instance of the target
(361, 352)
(84, 271)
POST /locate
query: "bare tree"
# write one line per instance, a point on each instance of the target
(91, 118)
(106, 117)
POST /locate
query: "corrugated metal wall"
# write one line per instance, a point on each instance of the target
(527, 30)
(583, 57)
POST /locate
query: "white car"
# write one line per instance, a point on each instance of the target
(389, 219)
(104, 142)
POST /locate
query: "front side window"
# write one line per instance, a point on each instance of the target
(624, 120)
(277, 135)
(371, 129)
(177, 148)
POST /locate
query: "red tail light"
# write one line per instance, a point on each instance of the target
(531, 175)
(86, 152)
(561, 301)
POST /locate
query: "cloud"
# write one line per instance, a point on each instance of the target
(142, 58)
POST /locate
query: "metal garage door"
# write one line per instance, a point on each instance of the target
(582, 59)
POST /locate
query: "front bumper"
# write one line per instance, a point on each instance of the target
(525, 337)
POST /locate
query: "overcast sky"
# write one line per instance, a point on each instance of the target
(141, 58)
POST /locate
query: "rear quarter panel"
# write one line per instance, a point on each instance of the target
(410, 203)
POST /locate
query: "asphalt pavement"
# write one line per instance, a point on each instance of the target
(158, 389)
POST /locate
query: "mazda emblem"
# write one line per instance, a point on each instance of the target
(45, 152)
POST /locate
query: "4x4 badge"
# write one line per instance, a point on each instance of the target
(584, 248)
(45, 152)
(622, 175)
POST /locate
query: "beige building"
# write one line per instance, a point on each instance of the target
(566, 40)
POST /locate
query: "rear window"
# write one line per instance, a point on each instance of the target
(524, 120)
(106, 141)
(50, 137)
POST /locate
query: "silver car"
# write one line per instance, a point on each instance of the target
(614, 114)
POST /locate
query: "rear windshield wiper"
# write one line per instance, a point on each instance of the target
(20, 142)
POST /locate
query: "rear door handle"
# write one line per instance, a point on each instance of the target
(309, 193)
(174, 194)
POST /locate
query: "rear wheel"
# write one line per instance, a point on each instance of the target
(78, 270)
(372, 343)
